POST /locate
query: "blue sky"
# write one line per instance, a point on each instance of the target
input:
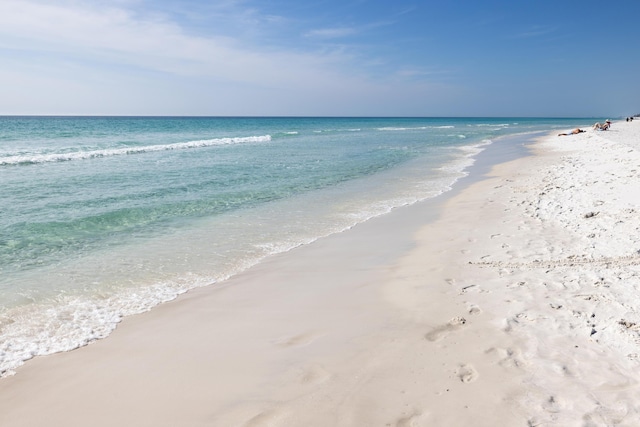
(323, 57)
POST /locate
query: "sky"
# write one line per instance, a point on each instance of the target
(534, 58)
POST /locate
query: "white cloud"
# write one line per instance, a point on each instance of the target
(119, 36)
(74, 57)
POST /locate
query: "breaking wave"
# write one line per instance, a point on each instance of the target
(25, 159)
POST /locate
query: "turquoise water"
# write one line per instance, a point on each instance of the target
(106, 217)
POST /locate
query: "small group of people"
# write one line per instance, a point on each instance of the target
(598, 126)
(605, 126)
(630, 119)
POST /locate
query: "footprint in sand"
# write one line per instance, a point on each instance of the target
(553, 404)
(466, 373)
(314, 375)
(414, 420)
(473, 309)
(442, 331)
(507, 357)
(268, 418)
(296, 340)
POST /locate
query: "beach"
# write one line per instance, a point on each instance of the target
(512, 301)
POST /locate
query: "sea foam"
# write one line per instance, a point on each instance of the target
(91, 154)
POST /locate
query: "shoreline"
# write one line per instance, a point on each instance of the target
(463, 321)
(41, 327)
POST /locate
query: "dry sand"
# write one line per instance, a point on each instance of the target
(518, 305)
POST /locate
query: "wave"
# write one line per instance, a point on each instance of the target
(474, 149)
(402, 129)
(389, 128)
(499, 125)
(338, 130)
(26, 159)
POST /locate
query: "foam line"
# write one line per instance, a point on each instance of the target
(82, 155)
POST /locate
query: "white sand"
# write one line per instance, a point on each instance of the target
(520, 305)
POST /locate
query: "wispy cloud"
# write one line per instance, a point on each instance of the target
(331, 33)
(121, 36)
(111, 54)
(346, 31)
(422, 74)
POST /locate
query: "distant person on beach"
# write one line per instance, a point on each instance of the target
(604, 126)
(573, 132)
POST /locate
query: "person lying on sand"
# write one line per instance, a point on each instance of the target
(573, 132)
(604, 126)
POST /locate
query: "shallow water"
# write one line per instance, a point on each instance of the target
(107, 217)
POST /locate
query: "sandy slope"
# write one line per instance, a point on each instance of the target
(553, 255)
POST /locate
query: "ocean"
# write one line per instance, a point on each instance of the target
(106, 217)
